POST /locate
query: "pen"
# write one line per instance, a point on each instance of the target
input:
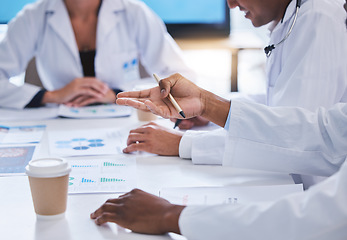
(178, 121)
(172, 100)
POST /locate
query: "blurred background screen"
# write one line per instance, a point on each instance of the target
(183, 18)
(189, 11)
(9, 8)
(191, 18)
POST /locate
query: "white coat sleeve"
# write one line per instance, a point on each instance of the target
(207, 147)
(203, 147)
(287, 139)
(318, 213)
(16, 49)
(159, 52)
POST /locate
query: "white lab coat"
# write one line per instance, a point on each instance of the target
(127, 31)
(318, 141)
(308, 70)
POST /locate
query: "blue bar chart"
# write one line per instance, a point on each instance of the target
(102, 175)
(84, 180)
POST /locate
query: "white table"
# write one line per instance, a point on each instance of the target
(18, 220)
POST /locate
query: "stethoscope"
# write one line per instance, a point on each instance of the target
(268, 49)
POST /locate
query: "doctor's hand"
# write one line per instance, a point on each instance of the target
(186, 93)
(154, 138)
(140, 212)
(193, 100)
(89, 87)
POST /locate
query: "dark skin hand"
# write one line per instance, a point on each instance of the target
(193, 100)
(140, 212)
(156, 101)
(154, 138)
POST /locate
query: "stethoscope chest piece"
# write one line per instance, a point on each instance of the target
(268, 50)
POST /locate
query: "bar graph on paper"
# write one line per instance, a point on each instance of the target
(105, 175)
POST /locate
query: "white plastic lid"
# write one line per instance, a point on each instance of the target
(47, 167)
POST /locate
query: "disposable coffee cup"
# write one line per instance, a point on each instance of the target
(145, 116)
(49, 178)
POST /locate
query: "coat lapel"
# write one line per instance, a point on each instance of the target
(108, 19)
(59, 21)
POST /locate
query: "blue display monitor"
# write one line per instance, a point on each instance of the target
(187, 18)
(9, 8)
(183, 18)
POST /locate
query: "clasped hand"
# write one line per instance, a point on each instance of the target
(81, 92)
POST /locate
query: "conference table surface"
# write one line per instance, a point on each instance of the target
(153, 173)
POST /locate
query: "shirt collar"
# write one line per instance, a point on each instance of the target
(290, 11)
